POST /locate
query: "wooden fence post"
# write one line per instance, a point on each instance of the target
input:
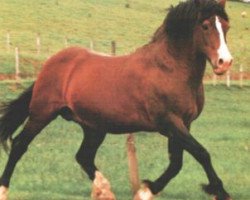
(8, 41)
(241, 75)
(66, 42)
(17, 70)
(91, 45)
(38, 43)
(228, 78)
(127, 4)
(132, 164)
(214, 79)
(113, 47)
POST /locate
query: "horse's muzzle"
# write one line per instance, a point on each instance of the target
(222, 66)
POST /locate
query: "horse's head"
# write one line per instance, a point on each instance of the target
(210, 35)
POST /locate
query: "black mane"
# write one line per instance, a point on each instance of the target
(181, 19)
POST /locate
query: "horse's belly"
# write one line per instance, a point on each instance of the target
(112, 121)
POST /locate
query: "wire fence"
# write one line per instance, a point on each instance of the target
(24, 61)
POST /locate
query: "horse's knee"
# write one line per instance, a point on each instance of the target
(176, 167)
(203, 156)
(20, 144)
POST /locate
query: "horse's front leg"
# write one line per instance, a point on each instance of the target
(101, 189)
(176, 156)
(215, 186)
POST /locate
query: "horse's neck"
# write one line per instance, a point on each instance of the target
(185, 59)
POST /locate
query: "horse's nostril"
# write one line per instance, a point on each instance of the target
(221, 61)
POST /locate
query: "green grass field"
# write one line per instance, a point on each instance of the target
(49, 171)
(99, 20)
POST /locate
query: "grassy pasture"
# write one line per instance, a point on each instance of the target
(49, 171)
(99, 20)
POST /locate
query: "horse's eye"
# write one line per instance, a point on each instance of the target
(205, 26)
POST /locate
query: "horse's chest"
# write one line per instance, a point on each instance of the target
(190, 112)
(185, 104)
(190, 106)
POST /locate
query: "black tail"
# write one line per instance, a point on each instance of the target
(13, 114)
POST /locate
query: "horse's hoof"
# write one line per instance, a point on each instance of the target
(3, 193)
(144, 194)
(216, 198)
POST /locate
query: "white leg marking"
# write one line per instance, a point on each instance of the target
(3, 193)
(223, 51)
(144, 194)
(101, 188)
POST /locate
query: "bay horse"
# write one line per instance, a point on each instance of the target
(157, 88)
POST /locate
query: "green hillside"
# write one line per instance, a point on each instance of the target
(48, 171)
(98, 20)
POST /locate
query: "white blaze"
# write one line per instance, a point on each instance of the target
(223, 51)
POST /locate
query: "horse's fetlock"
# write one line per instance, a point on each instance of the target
(152, 186)
(213, 188)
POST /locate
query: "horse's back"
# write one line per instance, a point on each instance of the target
(75, 74)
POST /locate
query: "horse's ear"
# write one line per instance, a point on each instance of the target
(222, 3)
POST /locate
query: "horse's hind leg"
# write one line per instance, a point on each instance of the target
(88, 149)
(86, 156)
(19, 147)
